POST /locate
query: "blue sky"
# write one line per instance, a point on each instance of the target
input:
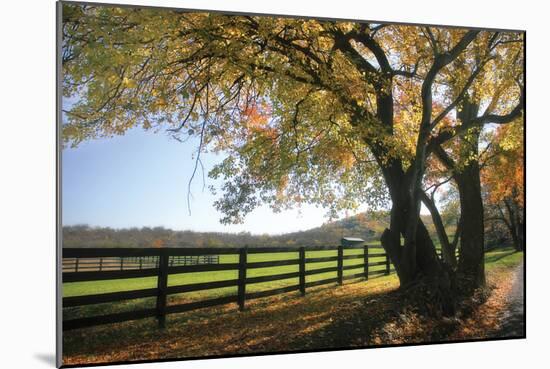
(140, 179)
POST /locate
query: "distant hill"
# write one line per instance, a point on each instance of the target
(368, 226)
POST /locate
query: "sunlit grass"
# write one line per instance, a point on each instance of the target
(117, 285)
(282, 322)
(502, 258)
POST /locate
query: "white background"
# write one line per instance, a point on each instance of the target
(27, 181)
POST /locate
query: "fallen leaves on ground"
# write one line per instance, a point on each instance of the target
(357, 314)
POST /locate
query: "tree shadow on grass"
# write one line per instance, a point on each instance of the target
(353, 325)
(496, 257)
(358, 314)
(282, 323)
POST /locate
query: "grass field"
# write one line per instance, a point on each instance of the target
(503, 258)
(282, 322)
(493, 259)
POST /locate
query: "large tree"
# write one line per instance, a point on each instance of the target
(305, 110)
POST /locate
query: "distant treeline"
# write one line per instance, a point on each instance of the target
(368, 227)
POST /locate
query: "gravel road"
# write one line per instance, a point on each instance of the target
(512, 320)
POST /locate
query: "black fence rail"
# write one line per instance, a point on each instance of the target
(77, 264)
(162, 262)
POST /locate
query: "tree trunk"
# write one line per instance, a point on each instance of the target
(521, 236)
(515, 224)
(420, 262)
(418, 259)
(513, 229)
(472, 246)
(466, 173)
(471, 260)
(448, 249)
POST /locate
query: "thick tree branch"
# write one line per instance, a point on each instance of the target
(459, 97)
(440, 61)
(446, 135)
(418, 167)
(341, 42)
(501, 119)
(375, 48)
(448, 253)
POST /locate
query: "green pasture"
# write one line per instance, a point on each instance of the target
(117, 285)
(503, 258)
(498, 258)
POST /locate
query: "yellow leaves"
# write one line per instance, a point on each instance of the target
(71, 133)
(159, 103)
(281, 187)
(129, 83)
(113, 79)
(510, 136)
(341, 155)
(146, 124)
(234, 32)
(290, 101)
(346, 26)
(70, 130)
(504, 176)
(348, 161)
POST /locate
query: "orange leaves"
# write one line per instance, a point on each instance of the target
(256, 116)
(158, 243)
(337, 155)
(504, 176)
(255, 120)
(346, 158)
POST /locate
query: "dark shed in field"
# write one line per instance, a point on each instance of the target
(351, 241)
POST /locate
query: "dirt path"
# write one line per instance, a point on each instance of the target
(512, 320)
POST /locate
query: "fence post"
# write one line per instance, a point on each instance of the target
(340, 264)
(140, 262)
(242, 277)
(303, 271)
(387, 264)
(162, 284)
(100, 264)
(366, 261)
(76, 265)
(121, 263)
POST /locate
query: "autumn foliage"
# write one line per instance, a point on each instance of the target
(504, 174)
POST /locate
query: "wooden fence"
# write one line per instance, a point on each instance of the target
(164, 266)
(77, 264)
